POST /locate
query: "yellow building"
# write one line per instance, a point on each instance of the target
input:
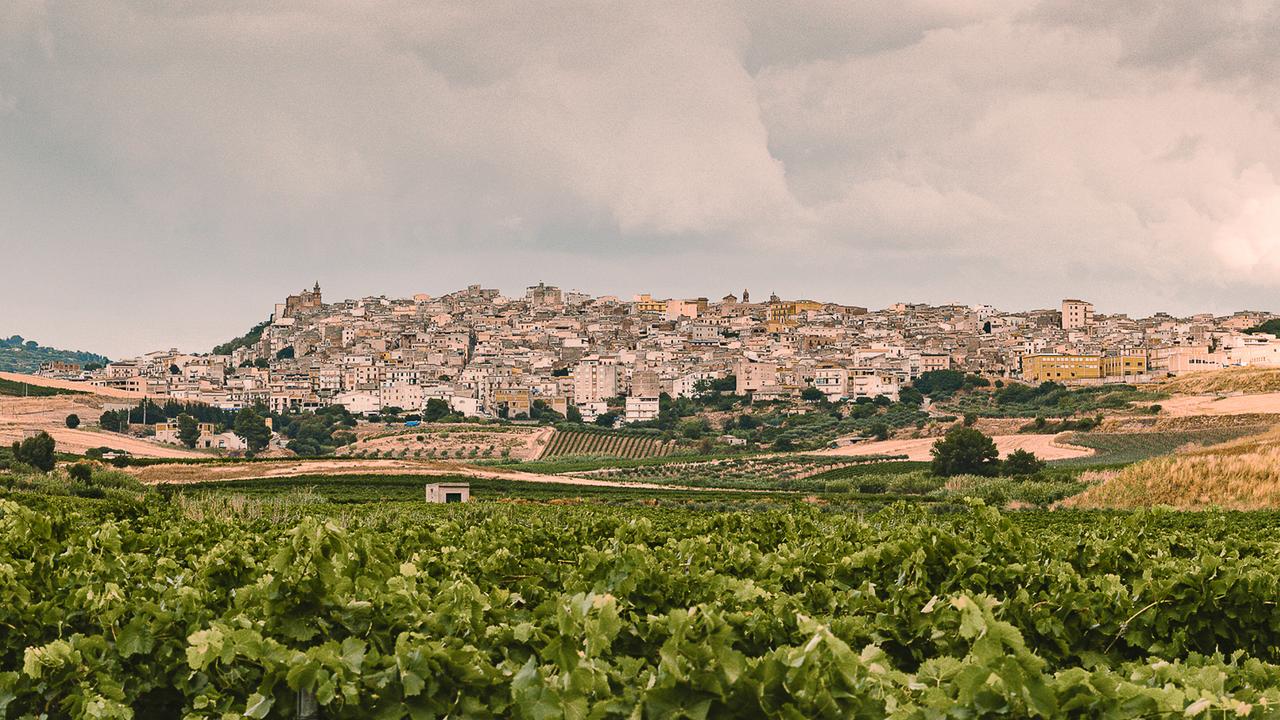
(645, 303)
(1124, 365)
(1042, 368)
(1059, 368)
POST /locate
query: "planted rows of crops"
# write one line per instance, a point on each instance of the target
(775, 472)
(537, 612)
(573, 443)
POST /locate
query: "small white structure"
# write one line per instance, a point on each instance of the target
(449, 493)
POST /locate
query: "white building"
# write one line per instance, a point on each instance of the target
(640, 409)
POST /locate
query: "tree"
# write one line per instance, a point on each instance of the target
(110, 421)
(250, 426)
(812, 394)
(188, 430)
(1022, 463)
(879, 431)
(573, 415)
(910, 396)
(81, 472)
(965, 451)
(73, 421)
(36, 451)
(436, 409)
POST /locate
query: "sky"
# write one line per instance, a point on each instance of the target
(170, 170)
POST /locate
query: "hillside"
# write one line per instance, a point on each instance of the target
(1240, 474)
(17, 354)
(1229, 380)
(248, 339)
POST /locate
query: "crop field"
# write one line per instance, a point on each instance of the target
(20, 389)
(1123, 448)
(774, 472)
(159, 610)
(382, 488)
(590, 443)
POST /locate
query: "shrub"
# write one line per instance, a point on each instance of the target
(36, 451)
(73, 421)
(965, 451)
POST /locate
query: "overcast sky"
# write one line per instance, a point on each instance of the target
(169, 170)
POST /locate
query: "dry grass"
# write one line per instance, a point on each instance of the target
(1229, 380)
(1242, 474)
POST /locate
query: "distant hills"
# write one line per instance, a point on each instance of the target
(17, 354)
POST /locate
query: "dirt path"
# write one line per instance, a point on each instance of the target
(1046, 447)
(19, 415)
(186, 474)
(1191, 405)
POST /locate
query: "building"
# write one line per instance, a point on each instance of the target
(833, 381)
(449, 493)
(1076, 314)
(1061, 367)
(306, 300)
(542, 294)
(1123, 365)
(754, 376)
(645, 383)
(640, 409)
(594, 380)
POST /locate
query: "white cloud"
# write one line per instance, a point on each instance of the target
(1117, 149)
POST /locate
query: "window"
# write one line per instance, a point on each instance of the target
(453, 497)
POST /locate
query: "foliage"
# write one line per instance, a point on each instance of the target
(25, 356)
(1048, 399)
(36, 451)
(318, 433)
(250, 426)
(188, 430)
(544, 612)
(1022, 463)
(1270, 327)
(249, 339)
(964, 451)
(20, 389)
(73, 421)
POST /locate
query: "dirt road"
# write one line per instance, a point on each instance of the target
(1046, 447)
(186, 474)
(18, 415)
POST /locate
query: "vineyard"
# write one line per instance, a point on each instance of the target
(604, 443)
(773, 472)
(487, 611)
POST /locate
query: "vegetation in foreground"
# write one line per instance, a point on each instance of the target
(156, 610)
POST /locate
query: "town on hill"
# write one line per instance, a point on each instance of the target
(481, 353)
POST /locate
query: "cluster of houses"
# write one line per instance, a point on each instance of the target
(485, 354)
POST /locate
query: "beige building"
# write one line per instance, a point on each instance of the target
(1076, 314)
(755, 376)
(594, 380)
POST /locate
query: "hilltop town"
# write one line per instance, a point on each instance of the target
(484, 354)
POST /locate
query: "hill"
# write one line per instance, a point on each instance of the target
(18, 354)
(1241, 474)
(1229, 380)
(248, 339)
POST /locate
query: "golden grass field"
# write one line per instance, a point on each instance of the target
(1241, 474)
(1230, 380)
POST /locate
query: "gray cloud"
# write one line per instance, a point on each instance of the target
(180, 165)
